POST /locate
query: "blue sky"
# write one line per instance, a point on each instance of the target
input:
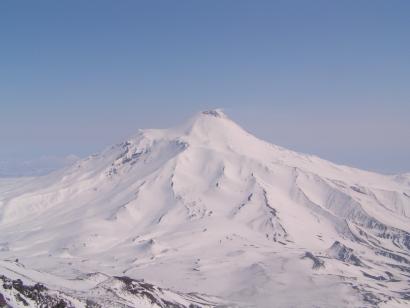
(330, 78)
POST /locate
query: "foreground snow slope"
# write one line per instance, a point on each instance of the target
(208, 208)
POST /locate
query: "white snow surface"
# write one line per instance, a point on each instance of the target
(206, 207)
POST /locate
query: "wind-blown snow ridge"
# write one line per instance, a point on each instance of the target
(206, 207)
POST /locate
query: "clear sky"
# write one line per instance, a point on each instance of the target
(331, 78)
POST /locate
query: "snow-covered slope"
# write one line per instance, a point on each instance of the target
(208, 208)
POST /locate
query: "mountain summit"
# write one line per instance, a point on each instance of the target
(206, 207)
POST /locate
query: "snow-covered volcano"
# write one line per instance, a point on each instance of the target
(207, 208)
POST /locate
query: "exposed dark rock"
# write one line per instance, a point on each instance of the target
(3, 302)
(149, 291)
(36, 293)
(20, 299)
(213, 113)
(368, 297)
(405, 295)
(380, 278)
(344, 253)
(153, 294)
(317, 263)
(357, 189)
(402, 268)
(371, 299)
(392, 255)
(112, 295)
(91, 304)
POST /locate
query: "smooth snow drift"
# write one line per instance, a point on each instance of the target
(207, 208)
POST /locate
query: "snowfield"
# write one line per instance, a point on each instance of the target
(205, 215)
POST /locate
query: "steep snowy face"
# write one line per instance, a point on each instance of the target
(209, 129)
(206, 207)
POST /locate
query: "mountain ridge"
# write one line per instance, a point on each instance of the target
(207, 207)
